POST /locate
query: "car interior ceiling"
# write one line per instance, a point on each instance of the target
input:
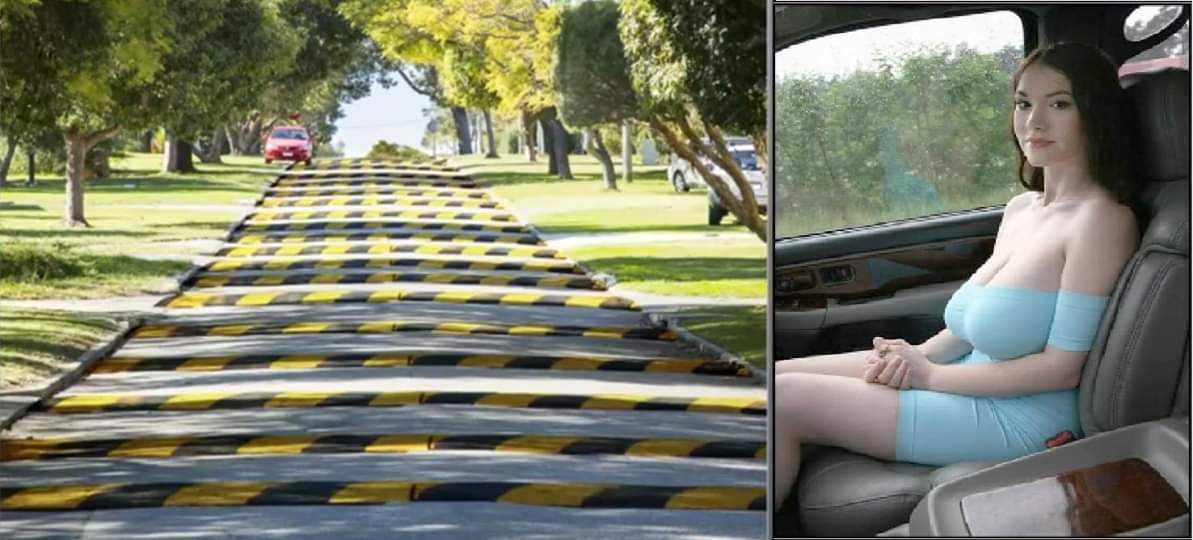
(893, 489)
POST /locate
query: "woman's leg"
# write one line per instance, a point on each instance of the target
(833, 411)
(849, 364)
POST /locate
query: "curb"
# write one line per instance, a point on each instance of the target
(705, 346)
(88, 360)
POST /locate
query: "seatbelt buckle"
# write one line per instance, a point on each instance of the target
(1064, 437)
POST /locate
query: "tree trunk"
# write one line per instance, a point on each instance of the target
(146, 141)
(4, 165)
(31, 180)
(561, 149)
(760, 149)
(627, 153)
(210, 152)
(745, 209)
(595, 146)
(492, 140)
(177, 157)
(549, 144)
(76, 156)
(460, 118)
(233, 140)
(530, 135)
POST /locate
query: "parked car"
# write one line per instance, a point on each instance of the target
(848, 266)
(289, 143)
(684, 177)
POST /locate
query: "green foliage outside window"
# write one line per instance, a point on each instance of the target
(926, 132)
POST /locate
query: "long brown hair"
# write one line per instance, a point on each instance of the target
(1101, 106)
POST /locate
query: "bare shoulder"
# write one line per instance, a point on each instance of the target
(1105, 223)
(1019, 201)
(1103, 235)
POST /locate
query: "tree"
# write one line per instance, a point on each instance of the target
(335, 63)
(699, 69)
(223, 56)
(592, 78)
(514, 39)
(83, 68)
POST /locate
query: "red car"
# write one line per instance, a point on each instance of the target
(289, 143)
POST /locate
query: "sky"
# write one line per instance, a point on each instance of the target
(845, 53)
(393, 114)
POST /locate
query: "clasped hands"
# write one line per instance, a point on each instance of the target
(897, 364)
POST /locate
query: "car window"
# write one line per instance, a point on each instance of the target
(895, 121)
(1144, 22)
(292, 134)
(746, 159)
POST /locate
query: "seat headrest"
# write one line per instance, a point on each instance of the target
(1159, 101)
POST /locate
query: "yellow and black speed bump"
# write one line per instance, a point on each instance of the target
(385, 248)
(374, 214)
(354, 225)
(403, 443)
(454, 236)
(443, 278)
(390, 326)
(100, 403)
(430, 202)
(385, 183)
(559, 267)
(299, 193)
(570, 495)
(193, 299)
(389, 360)
(371, 163)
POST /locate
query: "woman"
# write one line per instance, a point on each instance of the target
(1001, 379)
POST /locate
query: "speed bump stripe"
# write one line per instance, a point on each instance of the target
(442, 278)
(550, 494)
(191, 402)
(457, 236)
(741, 498)
(384, 183)
(148, 448)
(358, 249)
(560, 267)
(575, 495)
(399, 214)
(373, 200)
(109, 402)
(228, 445)
(372, 225)
(374, 493)
(216, 494)
(277, 444)
(666, 365)
(190, 299)
(303, 193)
(52, 497)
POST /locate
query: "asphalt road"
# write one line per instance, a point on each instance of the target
(383, 350)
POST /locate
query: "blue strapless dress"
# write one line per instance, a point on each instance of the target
(940, 428)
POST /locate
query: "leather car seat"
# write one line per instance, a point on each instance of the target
(1137, 370)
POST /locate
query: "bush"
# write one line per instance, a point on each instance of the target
(387, 150)
(28, 263)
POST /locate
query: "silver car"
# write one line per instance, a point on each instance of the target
(684, 177)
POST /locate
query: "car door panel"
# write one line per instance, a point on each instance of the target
(835, 291)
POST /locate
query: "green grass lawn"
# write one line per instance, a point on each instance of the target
(36, 344)
(137, 211)
(725, 261)
(740, 329)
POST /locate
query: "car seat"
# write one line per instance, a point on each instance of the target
(1137, 370)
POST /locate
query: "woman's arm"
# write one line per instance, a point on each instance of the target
(944, 347)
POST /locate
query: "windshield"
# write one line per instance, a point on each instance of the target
(292, 134)
(746, 159)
